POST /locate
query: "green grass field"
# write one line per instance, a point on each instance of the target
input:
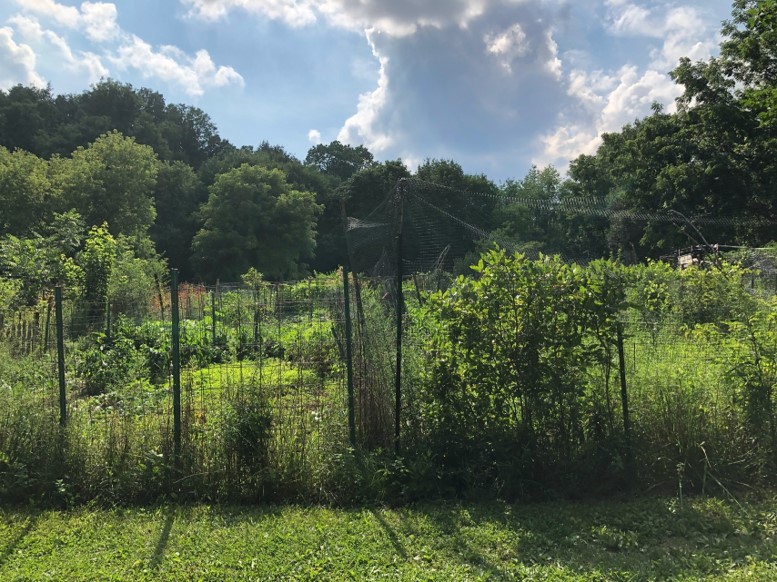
(639, 540)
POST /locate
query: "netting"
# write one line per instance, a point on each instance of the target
(444, 229)
(264, 370)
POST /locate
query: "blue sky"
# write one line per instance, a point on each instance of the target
(497, 85)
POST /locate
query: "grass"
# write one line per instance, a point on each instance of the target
(640, 540)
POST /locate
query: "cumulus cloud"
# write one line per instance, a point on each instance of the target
(361, 127)
(68, 16)
(192, 74)
(76, 61)
(507, 45)
(605, 100)
(502, 79)
(96, 19)
(292, 12)
(314, 136)
(98, 23)
(682, 28)
(398, 17)
(17, 62)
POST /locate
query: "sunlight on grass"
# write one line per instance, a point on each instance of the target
(642, 540)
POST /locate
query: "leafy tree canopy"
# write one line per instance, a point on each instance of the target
(254, 218)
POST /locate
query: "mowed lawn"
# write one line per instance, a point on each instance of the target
(638, 540)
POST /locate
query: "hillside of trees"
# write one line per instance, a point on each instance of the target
(157, 184)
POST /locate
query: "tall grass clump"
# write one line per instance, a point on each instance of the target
(30, 436)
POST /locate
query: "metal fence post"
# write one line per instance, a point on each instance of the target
(60, 355)
(349, 358)
(625, 400)
(176, 357)
(213, 317)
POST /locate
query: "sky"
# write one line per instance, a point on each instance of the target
(496, 85)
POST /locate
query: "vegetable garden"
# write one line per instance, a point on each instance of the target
(524, 379)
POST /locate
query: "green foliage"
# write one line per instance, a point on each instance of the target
(97, 261)
(132, 279)
(112, 180)
(253, 218)
(341, 161)
(246, 431)
(33, 120)
(506, 354)
(177, 197)
(112, 363)
(42, 262)
(27, 194)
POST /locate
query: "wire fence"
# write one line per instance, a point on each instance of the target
(259, 390)
(275, 385)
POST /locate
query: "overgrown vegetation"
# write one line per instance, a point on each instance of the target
(511, 389)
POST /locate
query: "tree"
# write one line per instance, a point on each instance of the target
(111, 181)
(26, 114)
(445, 187)
(178, 195)
(27, 194)
(191, 134)
(42, 260)
(749, 54)
(532, 228)
(254, 218)
(339, 160)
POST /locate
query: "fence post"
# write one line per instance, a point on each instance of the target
(213, 316)
(349, 359)
(161, 296)
(625, 400)
(176, 356)
(60, 355)
(108, 331)
(400, 302)
(47, 332)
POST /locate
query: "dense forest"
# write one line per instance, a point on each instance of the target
(119, 170)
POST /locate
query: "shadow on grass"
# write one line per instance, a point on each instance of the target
(390, 533)
(164, 538)
(11, 546)
(645, 540)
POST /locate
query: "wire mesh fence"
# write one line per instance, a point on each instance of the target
(272, 386)
(264, 391)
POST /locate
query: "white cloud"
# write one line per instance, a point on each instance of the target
(96, 19)
(17, 62)
(314, 136)
(292, 12)
(68, 16)
(682, 28)
(552, 62)
(360, 128)
(508, 45)
(395, 17)
(607, 103)
(604, 101)
(99, 21)
(171, 64)
(80, 61)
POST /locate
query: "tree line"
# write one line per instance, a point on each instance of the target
(159, 180)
